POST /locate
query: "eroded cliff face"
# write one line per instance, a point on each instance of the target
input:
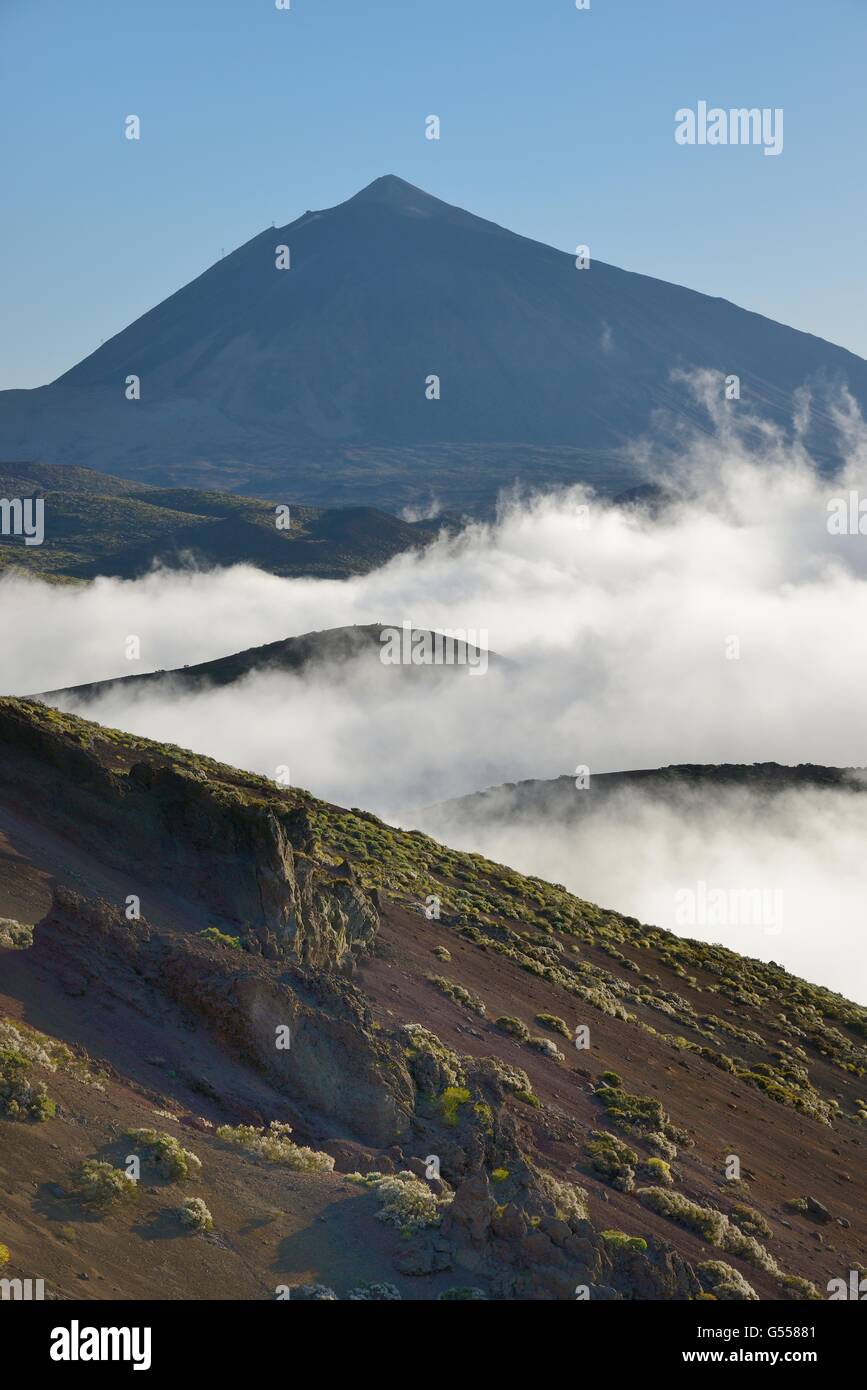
(307, 1030)
(237, 857)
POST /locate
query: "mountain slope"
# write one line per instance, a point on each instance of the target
(314, 377)
(96, 525)
(406, 1043)
(558, 800)
(331, 648)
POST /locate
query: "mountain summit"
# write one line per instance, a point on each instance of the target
(395, 346)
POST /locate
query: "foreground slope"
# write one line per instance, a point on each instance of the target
(257, 378)
(418, 1045)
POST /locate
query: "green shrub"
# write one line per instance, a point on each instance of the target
(663, 1145)
(406, 1202)
(459, 995)
(442, 953)
(709, 1224)
(557, 1025)
(529, 1098)
(275, 1145)
(14, 936)
(724, 1282)
(221, 938)
(547, 1048)
(713, 1226)
(622, 1241)
(613, 1159)
(450, 1101)
(100, 1184)
(462, 1294)
(195, 1214)
(513, 1026)
(802, 1287)
(21, 1098)
(750, 1221)
(171, 1160)
(641, 1116)
(658, 1171)
(4, 1255)
(798, 1204)
(611, 1078)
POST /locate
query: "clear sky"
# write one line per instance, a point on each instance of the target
(555, 122)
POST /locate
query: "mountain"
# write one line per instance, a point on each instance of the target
(96, 525)
(191, 955)
(332, 648)
(559, 802)
(312, 379)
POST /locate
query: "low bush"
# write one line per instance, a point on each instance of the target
(275, 1145)
(547, 1048)
(172, 1161)
(21, 1098)
(658, 1171)
(459, 995)
(221, 938)
(513, 1026)
(529, 1098)
(750, 1221)
(99, 1184)
(14, 936)
(725, 1283)
(557, 1025)
(452, 1098)
(612, 1159)
(195, 1214)
(713, 1226)
(406, 1202)
(622, 1241)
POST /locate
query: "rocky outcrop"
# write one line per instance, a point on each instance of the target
(243, 859)
(555, 1255)
(308, 1031)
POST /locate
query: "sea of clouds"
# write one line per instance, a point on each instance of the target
(618, 622)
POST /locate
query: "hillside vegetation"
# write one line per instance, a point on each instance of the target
(486, 1086)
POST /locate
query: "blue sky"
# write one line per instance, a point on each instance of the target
(556, 122)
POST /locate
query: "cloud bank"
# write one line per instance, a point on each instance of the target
(727, 625)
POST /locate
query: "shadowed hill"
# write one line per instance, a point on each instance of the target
(96, 525)
(560, 801)
(310, 651)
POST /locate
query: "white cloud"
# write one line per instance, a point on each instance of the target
(619, 631)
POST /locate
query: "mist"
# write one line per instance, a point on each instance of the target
(725, 624)
(801, 850)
